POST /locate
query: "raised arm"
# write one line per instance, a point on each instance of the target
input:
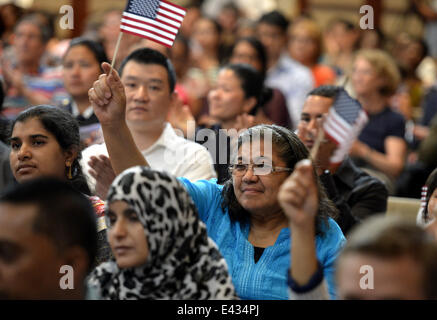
(108, 99)
(299, 200)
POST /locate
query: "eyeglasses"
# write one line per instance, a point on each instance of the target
(260, 169)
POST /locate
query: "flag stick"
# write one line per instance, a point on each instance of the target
(345, 81)
(120, 35)
(315, 148)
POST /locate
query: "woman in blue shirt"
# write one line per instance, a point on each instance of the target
(249, 226)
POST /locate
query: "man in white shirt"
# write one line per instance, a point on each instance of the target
(149, 82)
(293, 79)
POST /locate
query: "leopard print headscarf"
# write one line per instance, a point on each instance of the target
(183, 262)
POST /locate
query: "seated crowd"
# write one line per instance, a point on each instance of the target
(204, 171)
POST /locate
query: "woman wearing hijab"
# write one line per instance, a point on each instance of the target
(161, 248)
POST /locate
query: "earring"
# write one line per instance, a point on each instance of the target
(69, 175)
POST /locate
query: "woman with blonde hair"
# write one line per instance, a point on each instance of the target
(380, 148)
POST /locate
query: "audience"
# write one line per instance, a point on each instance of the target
(40, 238)
(161, 248)
(214, 76)
(243, 216)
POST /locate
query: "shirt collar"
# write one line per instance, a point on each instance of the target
(167, 139)
(283, 65)
(75, 111)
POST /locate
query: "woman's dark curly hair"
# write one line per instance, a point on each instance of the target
(291, 150)
(65, 128)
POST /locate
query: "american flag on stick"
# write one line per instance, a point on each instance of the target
(343, 124)
(156, 20)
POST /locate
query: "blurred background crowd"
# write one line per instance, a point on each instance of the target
(296, 45)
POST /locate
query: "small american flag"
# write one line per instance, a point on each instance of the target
(345, 120)
(156, 20)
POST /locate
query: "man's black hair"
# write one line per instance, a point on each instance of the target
(151, 56)
(64, 215)
(327, 91)
(95, 47)
(275, 18)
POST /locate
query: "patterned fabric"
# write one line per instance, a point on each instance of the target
(104, 252)
(183, 262)
(48, 83)
(98, 205)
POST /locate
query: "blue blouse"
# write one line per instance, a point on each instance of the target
(266, 279)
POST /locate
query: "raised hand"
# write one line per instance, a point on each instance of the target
(298, 196)
(102, 171)
(179, 115)
(108, 98)
(13, 77)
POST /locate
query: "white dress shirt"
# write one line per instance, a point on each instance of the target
(172, 153)
(294, 80)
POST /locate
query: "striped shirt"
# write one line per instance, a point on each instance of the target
(48, 83)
